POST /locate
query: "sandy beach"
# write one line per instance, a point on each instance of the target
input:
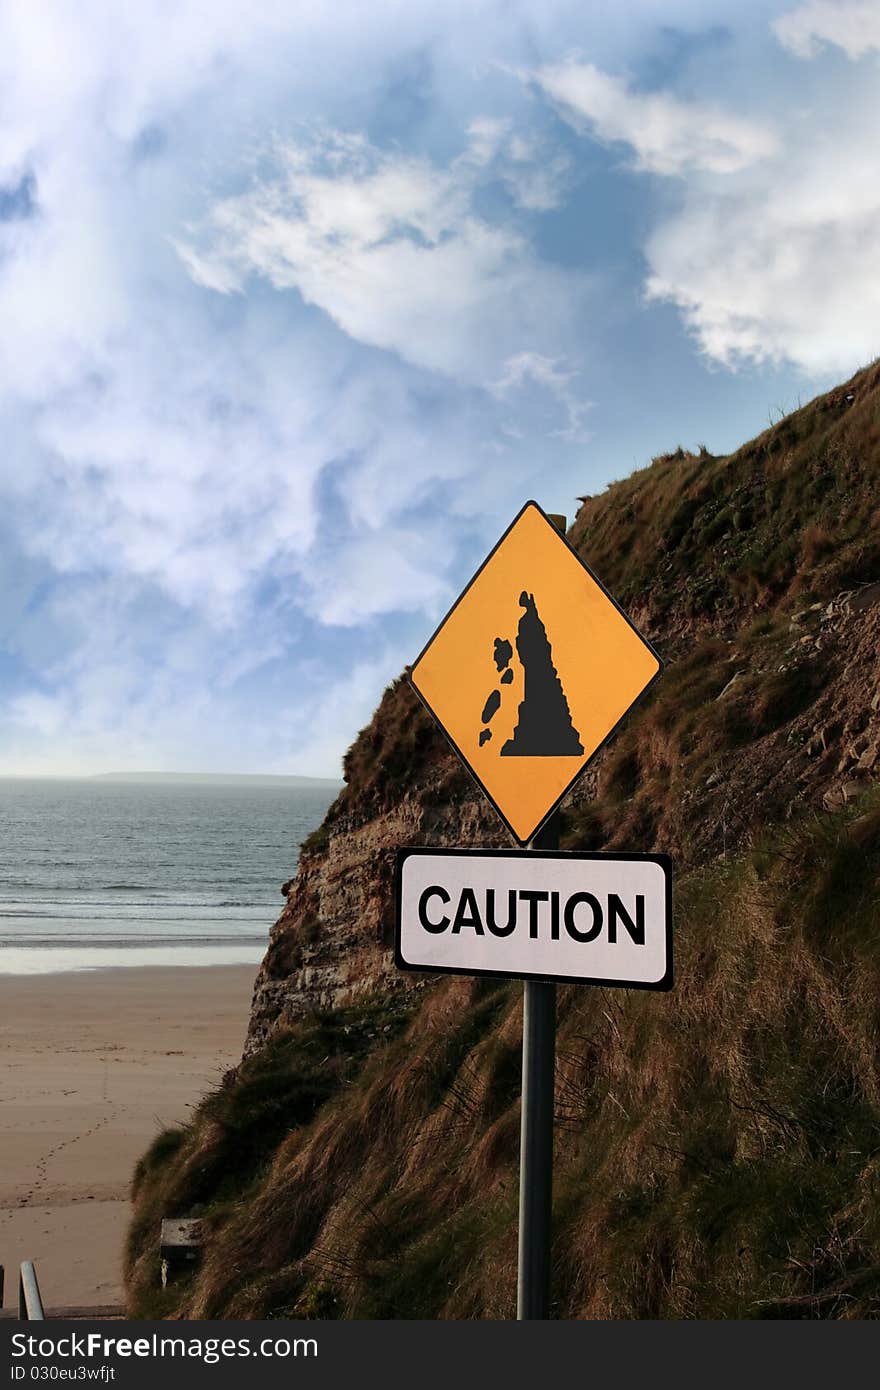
(92, 1065)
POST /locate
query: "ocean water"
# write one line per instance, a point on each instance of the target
(97, 873)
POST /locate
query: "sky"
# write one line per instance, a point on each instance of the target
(300, 302)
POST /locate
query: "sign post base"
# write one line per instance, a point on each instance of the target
(536, 1131)
(536, 1149)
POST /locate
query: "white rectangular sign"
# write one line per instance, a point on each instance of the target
(601, 919)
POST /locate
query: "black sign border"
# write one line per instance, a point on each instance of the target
(611, 732)
(664, 860)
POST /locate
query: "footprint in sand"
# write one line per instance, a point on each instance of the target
(41, 1165)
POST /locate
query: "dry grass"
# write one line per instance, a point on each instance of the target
(718, 1149)
(695, 538)
(710, 555)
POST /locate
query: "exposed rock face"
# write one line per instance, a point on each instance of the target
(732, 568)
(715, 1148)
(332, 943)
(817, 758)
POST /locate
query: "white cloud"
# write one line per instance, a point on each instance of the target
(853, 25)
(210, 484)
(198, 478)
(771, 254)
(786, 265)
(668, 136)
(553, 377)
(535, 175)
(153, 438)
(46, 715)
(113, 709)
(141, 684)
(378, 573)
(392, 248)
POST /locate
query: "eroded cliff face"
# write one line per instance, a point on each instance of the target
(715, 1147)
(755, 577)
(332, 944)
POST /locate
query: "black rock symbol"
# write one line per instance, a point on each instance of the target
(544, 728)
(491, 706)
(502, 652)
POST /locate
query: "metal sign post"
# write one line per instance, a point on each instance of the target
(529, 674)
(536, 1131)
(536, 1120)
(543, 916)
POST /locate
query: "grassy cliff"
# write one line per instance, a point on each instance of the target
(717, 1149)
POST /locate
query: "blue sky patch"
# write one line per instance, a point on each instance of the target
(314, 301)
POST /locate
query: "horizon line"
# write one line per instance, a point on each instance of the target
(142, 774)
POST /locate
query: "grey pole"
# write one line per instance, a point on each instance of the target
(536, 1132)
(536, 1125)
(30, 1304)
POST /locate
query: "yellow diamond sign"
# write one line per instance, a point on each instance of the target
(531, 670)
